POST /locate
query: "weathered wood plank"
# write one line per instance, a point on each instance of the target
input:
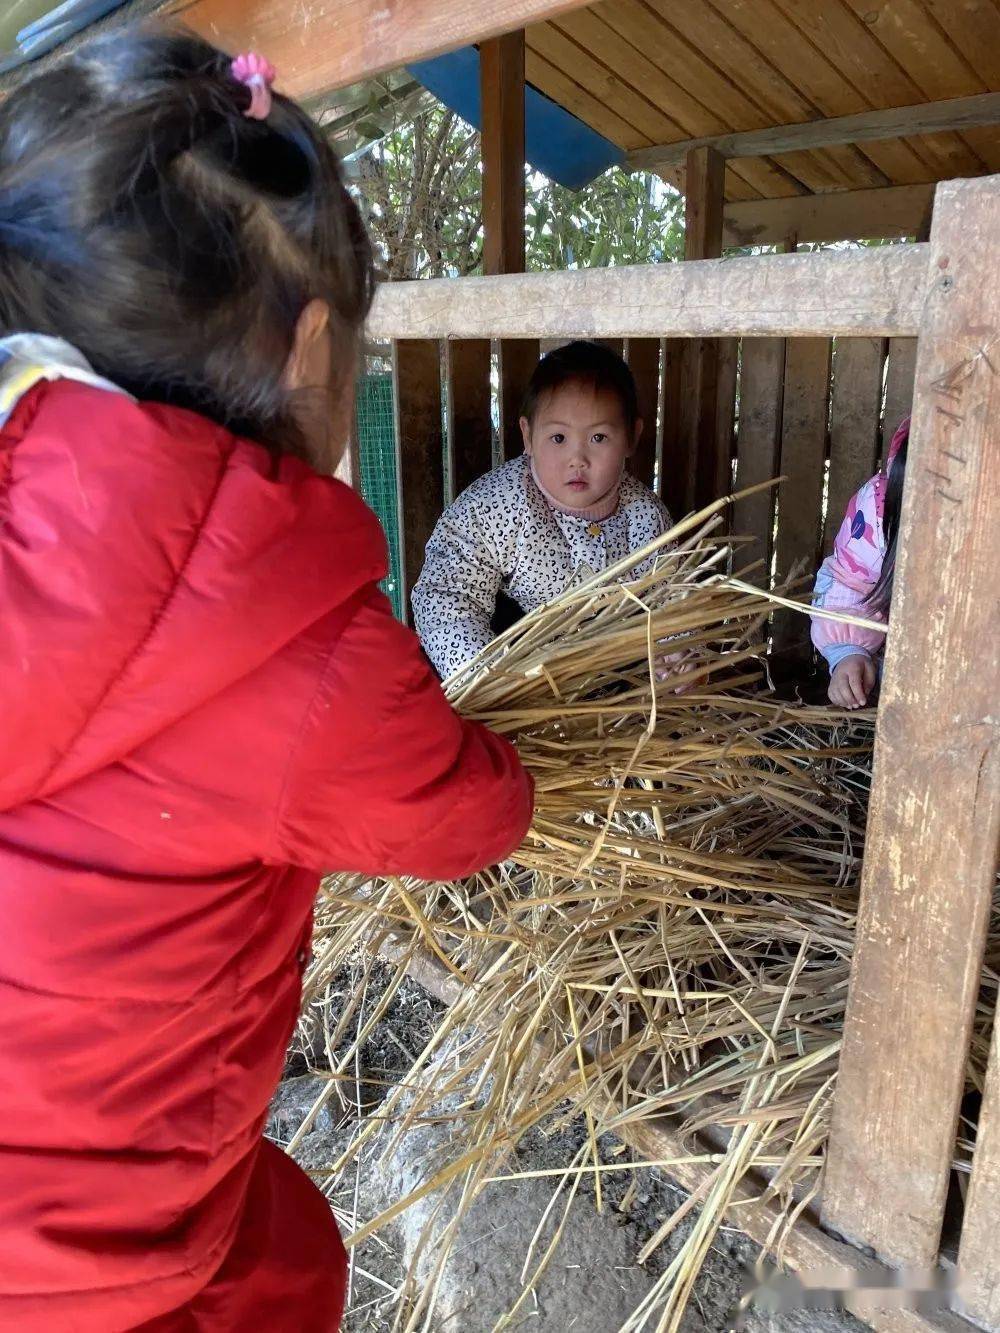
(841, 215)
(676, 479)
(319, 47)
(803, 449)
(469, 421)
(644, 362)
(979, 1253)
(758, 446)
(518, 358)
(934, 818)
(876, 292)
(855, 414)
(416, 384)
(899, 374)
(953, 113)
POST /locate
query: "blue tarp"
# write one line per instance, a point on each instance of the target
(556, 143)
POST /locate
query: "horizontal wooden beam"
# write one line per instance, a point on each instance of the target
(319, 45)
(844, 215)
(872, 292)
(956, 113)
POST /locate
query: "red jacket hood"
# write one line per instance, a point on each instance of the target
(148, 559)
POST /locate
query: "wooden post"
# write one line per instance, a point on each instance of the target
(934, 818)
(416, 391)
(501, 86)
(470, 426)
(707, 470)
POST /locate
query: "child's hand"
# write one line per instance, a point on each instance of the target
(852, 681)
(672, 664)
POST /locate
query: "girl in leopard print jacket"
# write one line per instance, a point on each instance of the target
(563, 510)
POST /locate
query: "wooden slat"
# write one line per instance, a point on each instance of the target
(899, 374)
(518, 358)
(855, 415)
(874, 292)
(469, 426)
(725, 419)
(558, 85)
(758, 445)
(803, 446)
(587, 69)
(416, 383)
(317, 47)
(676, 481)
(934, 817)
(897, 210)
(605, 30)
(924, 118)
(644, 362)
(979, 1253)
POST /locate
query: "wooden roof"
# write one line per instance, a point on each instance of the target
(645, 72)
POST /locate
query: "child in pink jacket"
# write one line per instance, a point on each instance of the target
(857, 579)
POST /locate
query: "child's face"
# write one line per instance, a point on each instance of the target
(578, 442)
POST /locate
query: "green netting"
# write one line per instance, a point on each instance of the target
(376, 435)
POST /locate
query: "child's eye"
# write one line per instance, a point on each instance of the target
(557, 438)
(598, 437)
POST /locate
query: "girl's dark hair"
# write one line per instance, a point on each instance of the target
(881, 595)
(174, 241)
(591, 364)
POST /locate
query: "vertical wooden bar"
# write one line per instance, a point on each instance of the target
(644, 363)
(899, 373)
(501, 86)
(725, 417)
(703, 207)
(416, 384)
(855, 413)
(518, 358)
(803, 450)
(979, 1252)
(934, 817)
(470, 425)
(676, 477)
(758, 447)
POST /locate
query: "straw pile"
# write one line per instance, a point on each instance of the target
(675, 935)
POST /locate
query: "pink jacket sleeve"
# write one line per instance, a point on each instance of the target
(846, 579)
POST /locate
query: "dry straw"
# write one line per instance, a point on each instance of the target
(673, 939)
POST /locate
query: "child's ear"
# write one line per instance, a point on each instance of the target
(636, 435)
(526, 435)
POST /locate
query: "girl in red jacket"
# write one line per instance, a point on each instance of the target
(205, 700)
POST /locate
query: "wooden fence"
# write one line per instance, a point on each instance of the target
(819, 353)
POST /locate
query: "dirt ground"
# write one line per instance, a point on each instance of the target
(636, 1203)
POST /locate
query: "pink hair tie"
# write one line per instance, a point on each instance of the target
(257, 74)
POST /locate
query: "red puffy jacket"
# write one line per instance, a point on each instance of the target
(205, 702)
